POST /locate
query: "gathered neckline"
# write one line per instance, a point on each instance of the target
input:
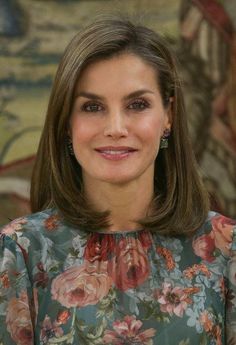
(119, 232)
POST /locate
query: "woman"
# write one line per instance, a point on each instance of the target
(120, 248)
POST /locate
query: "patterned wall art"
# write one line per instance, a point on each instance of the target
(207, 50)
(33, 35)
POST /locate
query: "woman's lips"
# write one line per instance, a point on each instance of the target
(116, 153)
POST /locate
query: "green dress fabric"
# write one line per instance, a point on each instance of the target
(62, 285)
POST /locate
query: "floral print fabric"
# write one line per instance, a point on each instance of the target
(61, 285)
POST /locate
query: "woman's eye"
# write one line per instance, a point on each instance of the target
(138, 105)
(92, 107)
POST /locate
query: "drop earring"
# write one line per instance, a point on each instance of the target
(164, 139)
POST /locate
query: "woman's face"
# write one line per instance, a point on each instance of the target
(117, 120)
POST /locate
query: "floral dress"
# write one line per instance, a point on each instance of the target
(62, 285)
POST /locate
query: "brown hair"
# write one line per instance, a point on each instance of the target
(180, 204)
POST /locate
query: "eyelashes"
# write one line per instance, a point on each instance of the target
(137, 105)
(91, 107)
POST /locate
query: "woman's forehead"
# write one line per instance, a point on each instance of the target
(126, 71)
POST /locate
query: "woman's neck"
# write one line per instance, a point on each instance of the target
(127, 203)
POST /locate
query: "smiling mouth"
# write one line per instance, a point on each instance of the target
(117, 149)
(116, 154)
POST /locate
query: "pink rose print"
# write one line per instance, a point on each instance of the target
(82, 285)
(222, 228)
(204, 247)
(173, 300)
(15, 225)
(129, 267)
(50, 330)
(99, 247)
(128, 331)
(18, 320)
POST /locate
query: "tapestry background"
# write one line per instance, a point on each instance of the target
(33, 35)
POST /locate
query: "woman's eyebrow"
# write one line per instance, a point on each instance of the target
(88, 95)
(94, 96)
(137, 93)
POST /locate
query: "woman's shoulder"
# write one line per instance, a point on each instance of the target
(35, 224)
(216, 236)
(220, 223)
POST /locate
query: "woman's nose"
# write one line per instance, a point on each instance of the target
(116, 125)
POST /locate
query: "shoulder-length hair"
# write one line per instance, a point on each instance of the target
(180, 202)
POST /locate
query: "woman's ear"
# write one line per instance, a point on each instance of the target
(170, 113)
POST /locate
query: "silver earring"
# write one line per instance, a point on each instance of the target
(70, 147)
(164, 139)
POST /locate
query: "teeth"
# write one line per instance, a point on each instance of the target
(110, 152)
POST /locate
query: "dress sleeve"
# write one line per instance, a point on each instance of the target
(231, 294)
(16, 295)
